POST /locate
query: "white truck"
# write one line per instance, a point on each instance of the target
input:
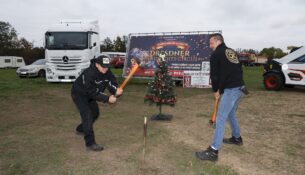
(11, 62)
(69, 47)
(287, 71)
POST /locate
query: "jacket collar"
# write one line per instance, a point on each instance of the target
(221, 45)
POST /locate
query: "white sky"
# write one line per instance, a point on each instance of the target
(245, 24)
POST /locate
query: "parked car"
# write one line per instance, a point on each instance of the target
(36, 69)
(118, 62)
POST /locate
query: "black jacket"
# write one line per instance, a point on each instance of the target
(92, 84)
(226, 69)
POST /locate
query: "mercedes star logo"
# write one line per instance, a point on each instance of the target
(65, 59)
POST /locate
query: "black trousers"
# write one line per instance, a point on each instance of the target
(89, 112)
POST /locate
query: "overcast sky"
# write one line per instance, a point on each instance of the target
(244, 23)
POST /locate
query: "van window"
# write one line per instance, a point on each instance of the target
(7, 60)
(19, 60)
(300, 60)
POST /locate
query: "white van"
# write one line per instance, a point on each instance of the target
(11, 62)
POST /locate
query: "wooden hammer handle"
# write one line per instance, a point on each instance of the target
(216, 103)
(133, 71)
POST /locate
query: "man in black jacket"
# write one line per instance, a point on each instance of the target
(88, 88)
(227, 81)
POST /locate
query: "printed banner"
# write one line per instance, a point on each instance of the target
(182, 52)
(196, 79)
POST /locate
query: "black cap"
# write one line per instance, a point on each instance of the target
(104, 61)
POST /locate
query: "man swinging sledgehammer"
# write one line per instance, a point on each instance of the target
(88, 88)
(227, 81)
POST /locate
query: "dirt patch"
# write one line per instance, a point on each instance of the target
(37, 135)
(271, 127)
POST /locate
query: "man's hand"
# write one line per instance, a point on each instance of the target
(216, 95)
(112, 99)
(119, 92)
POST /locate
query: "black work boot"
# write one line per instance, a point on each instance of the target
(95, 147)
(79, 133)
(233, 140)
(209, 154)
(79, 130)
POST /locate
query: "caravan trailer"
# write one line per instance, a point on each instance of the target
(11, 62)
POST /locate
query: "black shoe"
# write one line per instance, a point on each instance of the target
(233, 140)
(95, 147)
(209, 154)
(79, 130)
(79, 133)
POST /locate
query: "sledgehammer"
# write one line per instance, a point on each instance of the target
(135, 65)
(214, 114)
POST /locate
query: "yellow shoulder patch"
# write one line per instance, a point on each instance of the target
(232, 56)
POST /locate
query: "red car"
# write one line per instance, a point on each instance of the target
(118, 62)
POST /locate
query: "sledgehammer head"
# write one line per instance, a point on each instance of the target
(138, 56)
(134, 62)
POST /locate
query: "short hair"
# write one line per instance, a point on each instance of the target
(217, 36)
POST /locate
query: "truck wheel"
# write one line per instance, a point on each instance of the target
(273, 81)
(42, 73)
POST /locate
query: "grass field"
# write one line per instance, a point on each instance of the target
(37, 122)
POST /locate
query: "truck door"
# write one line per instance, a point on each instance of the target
(93, 45)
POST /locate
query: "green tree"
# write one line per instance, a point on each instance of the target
(272, 52)
(10, 45)
(119, 45)
(23, 43)
(125, 39)
(107, 45)
(8, 35)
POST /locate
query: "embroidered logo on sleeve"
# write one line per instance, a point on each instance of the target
(232, 56)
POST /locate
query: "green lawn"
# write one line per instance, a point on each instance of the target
(9, 82)
(37, 121)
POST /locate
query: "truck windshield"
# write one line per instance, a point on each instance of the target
(66, 40)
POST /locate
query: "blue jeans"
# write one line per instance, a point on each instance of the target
(227, 111)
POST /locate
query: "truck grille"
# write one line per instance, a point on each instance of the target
(65, 66)
(76, 60)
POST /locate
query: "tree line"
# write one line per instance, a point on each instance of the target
(12, 45)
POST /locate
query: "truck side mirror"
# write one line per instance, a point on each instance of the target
(94, 44)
